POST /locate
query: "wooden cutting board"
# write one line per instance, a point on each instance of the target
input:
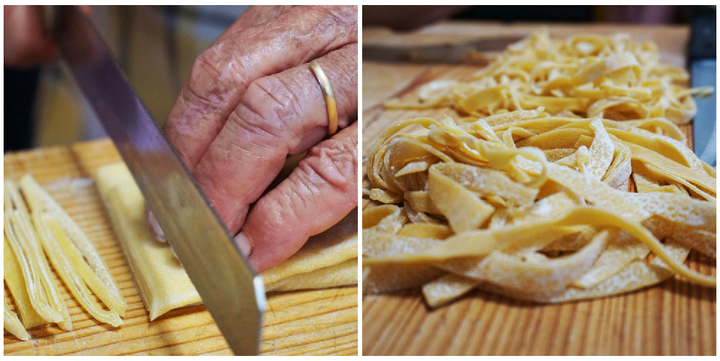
(317, 322)
(673, 318)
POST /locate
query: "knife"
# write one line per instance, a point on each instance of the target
(230, 289)
(702, 72)
(449, 52)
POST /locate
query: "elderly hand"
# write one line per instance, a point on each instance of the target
(251, 101)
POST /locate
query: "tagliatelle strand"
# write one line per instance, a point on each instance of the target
(483, 243)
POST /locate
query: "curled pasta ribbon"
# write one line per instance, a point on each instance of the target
(535, 206)
(583, 76)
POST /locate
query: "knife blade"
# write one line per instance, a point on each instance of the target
(448, 52)
(229, 287)
(703, 73)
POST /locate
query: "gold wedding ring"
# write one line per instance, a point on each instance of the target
(329, 96)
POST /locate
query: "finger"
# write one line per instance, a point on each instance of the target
(316, 195)
(155, 226)
(253, 16)
(27, 41)
(279, 115)
(222, 74)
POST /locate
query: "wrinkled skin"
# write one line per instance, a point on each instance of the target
(250, 101)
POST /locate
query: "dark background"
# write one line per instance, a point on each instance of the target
(410, 17)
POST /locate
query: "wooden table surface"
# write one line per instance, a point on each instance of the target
(672, 318)
(315, 322)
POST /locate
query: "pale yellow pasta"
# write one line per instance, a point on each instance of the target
(73, 256)
(328, 259)
(490, 209)
(611, 77)
(43, 294)
(16, 285)
(12, 323)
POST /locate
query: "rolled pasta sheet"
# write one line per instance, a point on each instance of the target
(163, 283)
(342, 274)
(327, 260)
(578, 225)
(335, 246)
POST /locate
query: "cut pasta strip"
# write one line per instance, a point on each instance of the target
(534, 273)
(16, 284)
(44, 295)
(73, 256)
(449, 196)
(447, 288)
(12, 323)
(637, 275)
(393, 277)
(73, 270)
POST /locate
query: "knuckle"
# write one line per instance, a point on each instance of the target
(247, 140)
(203, 80)
(213, 77)
(271, 105)
(334, 162)
(339, 16)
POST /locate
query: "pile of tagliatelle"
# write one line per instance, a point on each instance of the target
(588, 76)
(538, 204)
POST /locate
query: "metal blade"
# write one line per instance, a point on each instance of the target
(704, 139)
(229, 287)
(448, 53)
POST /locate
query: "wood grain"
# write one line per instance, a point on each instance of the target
(315, 322)
(673, 318)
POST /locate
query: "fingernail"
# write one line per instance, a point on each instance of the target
(243, 242)
(159, 234)
(174, 254)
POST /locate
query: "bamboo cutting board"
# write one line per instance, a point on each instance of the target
(672, 318)
(318, 322)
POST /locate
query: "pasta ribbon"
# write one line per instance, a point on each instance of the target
(537, 206)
